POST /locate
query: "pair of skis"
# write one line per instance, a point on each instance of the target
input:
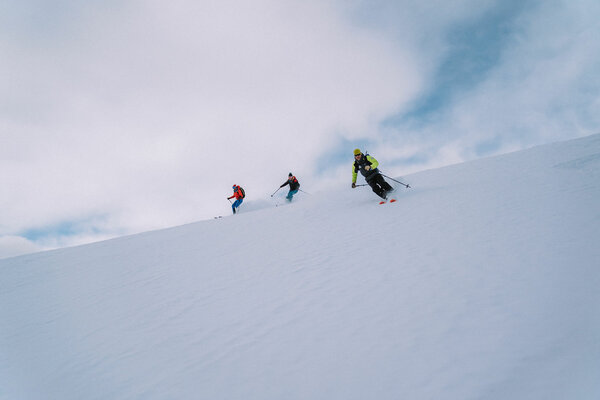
(387, 201)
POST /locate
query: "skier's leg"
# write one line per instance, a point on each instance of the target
(291, 194)
(376, 188)
(384, 185)
(236, 204)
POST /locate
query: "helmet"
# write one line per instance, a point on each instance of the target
(290, 174)
(357, 152)
(234, 186)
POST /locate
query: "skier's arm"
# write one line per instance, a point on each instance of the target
(374, 163)
(354, 173)
(285, 183)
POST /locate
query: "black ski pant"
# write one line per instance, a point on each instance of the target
(379, 185)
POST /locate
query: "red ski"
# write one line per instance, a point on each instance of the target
(385, 201)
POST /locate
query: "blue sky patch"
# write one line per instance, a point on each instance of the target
(67, 228)
(473, 50)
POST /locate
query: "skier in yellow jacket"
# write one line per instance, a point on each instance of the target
(367, 166)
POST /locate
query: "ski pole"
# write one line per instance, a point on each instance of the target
(364, 184)
(304, 191)
(407, 186)
(276, 191)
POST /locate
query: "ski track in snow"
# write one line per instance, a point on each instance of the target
(479, 282)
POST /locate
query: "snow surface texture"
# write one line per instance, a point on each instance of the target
(481, 282)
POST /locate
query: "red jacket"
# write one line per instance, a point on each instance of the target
(237, 194)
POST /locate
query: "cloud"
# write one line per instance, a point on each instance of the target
(511, 77)
(150, 111)
(119, 117)
(12, 246)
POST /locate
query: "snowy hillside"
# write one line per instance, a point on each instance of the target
(481, 282)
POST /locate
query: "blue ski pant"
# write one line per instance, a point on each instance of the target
(291, 194)
(236, 204)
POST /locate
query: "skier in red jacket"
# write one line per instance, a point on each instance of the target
(239, 195)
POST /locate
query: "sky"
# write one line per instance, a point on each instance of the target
(119, 117)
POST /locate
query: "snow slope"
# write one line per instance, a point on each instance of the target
(481, 282)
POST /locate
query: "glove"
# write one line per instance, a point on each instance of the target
(368, 168)
(353, 185)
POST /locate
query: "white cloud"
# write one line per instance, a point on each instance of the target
(131, 116)
(544, 87)
(149, 111)
(12, 246)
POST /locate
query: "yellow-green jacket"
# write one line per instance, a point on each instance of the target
(367, 166)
